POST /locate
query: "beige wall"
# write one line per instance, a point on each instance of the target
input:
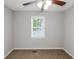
(7, 30)
(53, 30)
(69, 31)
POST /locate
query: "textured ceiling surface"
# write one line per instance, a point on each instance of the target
(17, 5)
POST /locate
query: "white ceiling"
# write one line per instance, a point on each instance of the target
(17, 5)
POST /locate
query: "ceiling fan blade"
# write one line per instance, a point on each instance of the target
(61, 3)
(28, 3)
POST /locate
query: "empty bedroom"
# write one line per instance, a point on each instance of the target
(38, 29)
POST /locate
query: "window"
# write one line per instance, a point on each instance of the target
(37, 27)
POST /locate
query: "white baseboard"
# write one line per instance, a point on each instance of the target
(8, 53)
(68, 53)
(36, 48)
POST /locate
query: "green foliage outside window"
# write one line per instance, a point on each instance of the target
(36, 24)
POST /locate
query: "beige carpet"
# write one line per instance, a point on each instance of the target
(38, 54)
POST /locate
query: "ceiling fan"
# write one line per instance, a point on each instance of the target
(45, 2)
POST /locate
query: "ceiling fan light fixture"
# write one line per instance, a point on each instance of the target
(47, 4)
(40, 4)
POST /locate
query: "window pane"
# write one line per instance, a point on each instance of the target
(37, 26)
